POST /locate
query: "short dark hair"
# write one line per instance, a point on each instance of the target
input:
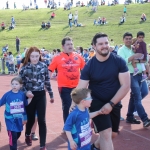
(98, 35)
(140, 33)
(18, 79)
(66, 39)
(78, 95)
(127, 34)
(58, 50)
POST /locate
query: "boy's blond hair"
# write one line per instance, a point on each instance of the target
(78, 95)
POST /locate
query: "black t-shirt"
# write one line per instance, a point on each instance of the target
(104, 77)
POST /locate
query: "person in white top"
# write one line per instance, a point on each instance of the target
(76, 19)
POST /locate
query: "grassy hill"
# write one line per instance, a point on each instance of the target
(28, 26)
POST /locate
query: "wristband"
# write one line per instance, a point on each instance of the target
(112, 104)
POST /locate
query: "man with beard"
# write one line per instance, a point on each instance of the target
(107, 76)
(68, 65)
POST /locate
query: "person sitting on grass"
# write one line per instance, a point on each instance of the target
(103, 20)
(77, 125)
(143, 17)
(122, 19)
(11, 26)
(99, 22)
(80, 25)
(53, 15)
(43, 25)
(48, 25)
(3, 26)
(95, 22)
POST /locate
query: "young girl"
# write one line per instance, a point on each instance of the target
(15, 114)
(35, 76)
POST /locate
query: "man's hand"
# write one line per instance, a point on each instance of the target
(51, 100)
(29, 94)
(73, 145)
(106, 109)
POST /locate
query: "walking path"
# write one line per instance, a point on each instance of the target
(131, 137)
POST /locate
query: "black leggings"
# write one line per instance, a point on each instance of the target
(38, 104)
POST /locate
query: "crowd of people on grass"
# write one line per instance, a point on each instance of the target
(89, 90)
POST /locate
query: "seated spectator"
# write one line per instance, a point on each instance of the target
(5, 48)
(43, 25)
(11, 26)
(95, 22)
(48, 25)
(80, 25)
(122, 19)
(103, 20)
(143, 17)
(99, 22)
(3, 25)
(52, 15)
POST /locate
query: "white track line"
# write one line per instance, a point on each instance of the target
(137, 135)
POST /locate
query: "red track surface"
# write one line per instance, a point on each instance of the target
(131, 137)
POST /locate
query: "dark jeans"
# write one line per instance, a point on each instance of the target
(135, 99)
(38, 104)
(66, 100)
(17, 48)
(13, 137)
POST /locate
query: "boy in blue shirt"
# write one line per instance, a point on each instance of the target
(77, 126)
(15, 115)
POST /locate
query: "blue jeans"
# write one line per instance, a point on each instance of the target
(144, 89)
(135, 99)
(66, 100)
(7, 65)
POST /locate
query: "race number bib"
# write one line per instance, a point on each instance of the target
(16, 107)
(85, 137)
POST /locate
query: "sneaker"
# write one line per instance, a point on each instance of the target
(135, 113)
(28, 140)
(144, 78)
(133, 121)
(121, 119)
(34, 137)
(146, 123)
(136, 72)
(93, 147)
(43, 148)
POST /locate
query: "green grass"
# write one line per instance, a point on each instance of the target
(28, 26)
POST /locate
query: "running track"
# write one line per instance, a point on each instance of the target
(131, 137)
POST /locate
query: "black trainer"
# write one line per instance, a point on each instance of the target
(93, 147)
(133, 121)
(146, 123)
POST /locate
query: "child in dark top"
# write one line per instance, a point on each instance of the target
(15, 114)
(140, 47)
(77, 126)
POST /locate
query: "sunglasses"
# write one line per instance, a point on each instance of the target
(88, 99)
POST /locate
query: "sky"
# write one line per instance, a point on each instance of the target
(40, 3)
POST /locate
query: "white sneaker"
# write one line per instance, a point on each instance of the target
(135, 113)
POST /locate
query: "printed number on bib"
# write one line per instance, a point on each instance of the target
(16, 107)
(85, 137)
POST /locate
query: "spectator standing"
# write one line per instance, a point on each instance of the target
(107, 91)
(68, 64)
(128, 55)
(17, 44)
(125, 10)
